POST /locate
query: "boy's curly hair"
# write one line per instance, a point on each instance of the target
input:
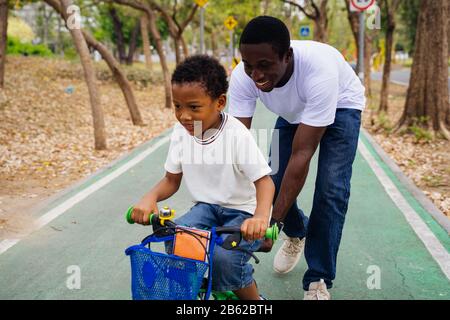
(205, 70)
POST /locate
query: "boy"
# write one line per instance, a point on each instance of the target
(209, 148)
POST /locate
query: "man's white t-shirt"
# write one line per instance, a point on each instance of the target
(221, 169)
(322, 81)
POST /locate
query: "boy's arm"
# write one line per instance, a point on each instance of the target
(165, 188)
(255, 227)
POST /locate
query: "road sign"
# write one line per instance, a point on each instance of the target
(361, 5)
(230, 23)
(305, 31)
(201, 3)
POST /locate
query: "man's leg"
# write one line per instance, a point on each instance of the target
(332, 191)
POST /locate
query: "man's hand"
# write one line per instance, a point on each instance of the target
(254, 228)
(266, 245)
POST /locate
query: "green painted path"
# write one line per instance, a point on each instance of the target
(85, 227)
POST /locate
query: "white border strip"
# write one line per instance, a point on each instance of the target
(430, 241)
(83, 194)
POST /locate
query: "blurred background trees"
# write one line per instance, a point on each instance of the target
(155, 35)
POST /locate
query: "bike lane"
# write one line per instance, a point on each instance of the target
(83, 232)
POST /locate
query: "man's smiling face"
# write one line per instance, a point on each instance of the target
(264, 65)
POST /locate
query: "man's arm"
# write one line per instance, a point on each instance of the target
(304, 145)
(246, 121)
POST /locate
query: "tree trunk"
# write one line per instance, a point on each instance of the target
(120, 42)
(288, 17)
(214, 45)
(114, 66)
(145, 41)
(162, 58)
(353, 18)
(184, 46)
(3, 39)
(89, 74)
(159, 48)
(321, 23)
(427, 100)
(176, 45)
(133, 43)
(388, 56)
(60, 46)
(368, 63)
(120, 77)
(386, 71)
(320, 31)
(265, 7)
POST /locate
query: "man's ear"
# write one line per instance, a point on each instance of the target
(221, 102)
(289, 55)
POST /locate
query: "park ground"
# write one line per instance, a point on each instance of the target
(46, 135)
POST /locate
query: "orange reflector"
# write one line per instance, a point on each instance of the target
(191, 244)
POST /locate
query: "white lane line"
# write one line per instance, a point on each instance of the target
(83, 194)
(430, 241)
(7, 243)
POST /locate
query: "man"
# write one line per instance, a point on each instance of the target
(319, 100)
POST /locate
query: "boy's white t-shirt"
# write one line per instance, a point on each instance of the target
(221, 169)
(322, 81)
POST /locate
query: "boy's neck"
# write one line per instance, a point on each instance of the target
(207, 133)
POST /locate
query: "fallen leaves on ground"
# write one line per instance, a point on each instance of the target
(426, 163)
(46, 131)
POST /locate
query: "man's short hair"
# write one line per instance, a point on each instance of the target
(266, 29)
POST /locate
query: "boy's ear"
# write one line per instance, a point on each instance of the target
(222, 102)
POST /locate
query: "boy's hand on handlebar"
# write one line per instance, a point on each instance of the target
(141, 212)
(254, 228)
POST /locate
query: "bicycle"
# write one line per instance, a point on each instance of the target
(181, 274)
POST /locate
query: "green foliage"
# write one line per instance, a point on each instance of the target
(434, 181)
(339, 33)
(70, 53)
(383, 122)
(418, 129)
(15, 46)
(129, 17)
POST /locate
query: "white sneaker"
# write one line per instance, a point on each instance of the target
(317, 291)
(288, 255)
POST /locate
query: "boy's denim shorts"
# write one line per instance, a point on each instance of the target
(231, 268)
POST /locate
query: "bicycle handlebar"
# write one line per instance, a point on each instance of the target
(272, 232)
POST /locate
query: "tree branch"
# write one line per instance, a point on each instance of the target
(302, 9)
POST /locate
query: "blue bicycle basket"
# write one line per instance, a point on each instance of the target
(158, 276)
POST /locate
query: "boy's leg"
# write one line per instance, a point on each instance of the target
(201, 216)
(295, 223)
(332, 191)
(231, 268)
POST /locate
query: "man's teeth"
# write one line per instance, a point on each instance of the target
(261, 83)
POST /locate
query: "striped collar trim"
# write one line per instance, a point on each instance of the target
(212, 138)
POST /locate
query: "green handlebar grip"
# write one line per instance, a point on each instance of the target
(272, 233)
(130, 220)
(128, 215)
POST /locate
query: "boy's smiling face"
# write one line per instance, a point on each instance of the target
(195, 109)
